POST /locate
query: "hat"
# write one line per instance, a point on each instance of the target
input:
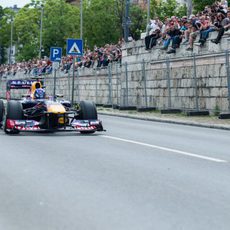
(191, 16)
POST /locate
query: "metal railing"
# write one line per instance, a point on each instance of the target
(193, 83)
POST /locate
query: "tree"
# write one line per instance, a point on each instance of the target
(101, 25)
(154, 4)
(168, 8)
(138, 21)
(60, 21)
(27, 33)
(1, 46)
(1, 12)
(182, 11)
(7, 16)
(199, 5)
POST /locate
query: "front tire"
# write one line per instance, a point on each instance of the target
(88, 111)
(14, 111)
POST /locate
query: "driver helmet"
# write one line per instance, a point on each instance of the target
(39, 92)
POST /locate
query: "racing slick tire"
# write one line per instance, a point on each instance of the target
(88, 111)
(1, 112)
(14, 111)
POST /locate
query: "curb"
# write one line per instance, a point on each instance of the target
(170, 121)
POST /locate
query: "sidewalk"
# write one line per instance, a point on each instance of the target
(200, 121)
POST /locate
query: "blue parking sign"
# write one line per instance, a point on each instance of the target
(74, 46)
(55, 54)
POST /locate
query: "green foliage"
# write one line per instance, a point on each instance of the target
(101, 24)
(1, 45)
(61, 21)
(1, 12)
(181, 11)
(6, 17)
(138, 21)
(168, 8)
(27, 33)
(199, 5)
(154, 4)
(217, 110)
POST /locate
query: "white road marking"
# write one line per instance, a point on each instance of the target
(167, 149)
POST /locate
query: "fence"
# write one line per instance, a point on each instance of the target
(189, 83)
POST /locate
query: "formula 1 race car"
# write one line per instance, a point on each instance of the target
(31, 114)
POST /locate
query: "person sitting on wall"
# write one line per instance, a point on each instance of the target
(153, 33)
(205, 28)
(195, 30)
(221, 24)
(175, 35)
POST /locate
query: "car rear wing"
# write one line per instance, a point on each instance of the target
(19, 84)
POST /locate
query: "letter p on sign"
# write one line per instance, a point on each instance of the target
(55, 54)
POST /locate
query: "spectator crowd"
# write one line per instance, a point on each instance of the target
(172, 31)
(175, 30)
(98, 58)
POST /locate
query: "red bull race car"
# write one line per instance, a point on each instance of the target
(42, 114)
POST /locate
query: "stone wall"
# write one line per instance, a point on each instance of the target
(173, 84)
(152, 78)
(185, 80)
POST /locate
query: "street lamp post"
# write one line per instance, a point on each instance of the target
(126, 22)
(81, 21)
(189, 7)
(41, 21)
(0, 47)
(11, 40)
(148, 12)
(14, 10)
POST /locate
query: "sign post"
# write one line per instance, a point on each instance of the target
(55, 57)
(74, 48)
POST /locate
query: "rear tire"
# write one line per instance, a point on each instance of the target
(14, 111)
(1, 112)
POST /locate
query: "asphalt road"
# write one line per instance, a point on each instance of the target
(139, 175)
